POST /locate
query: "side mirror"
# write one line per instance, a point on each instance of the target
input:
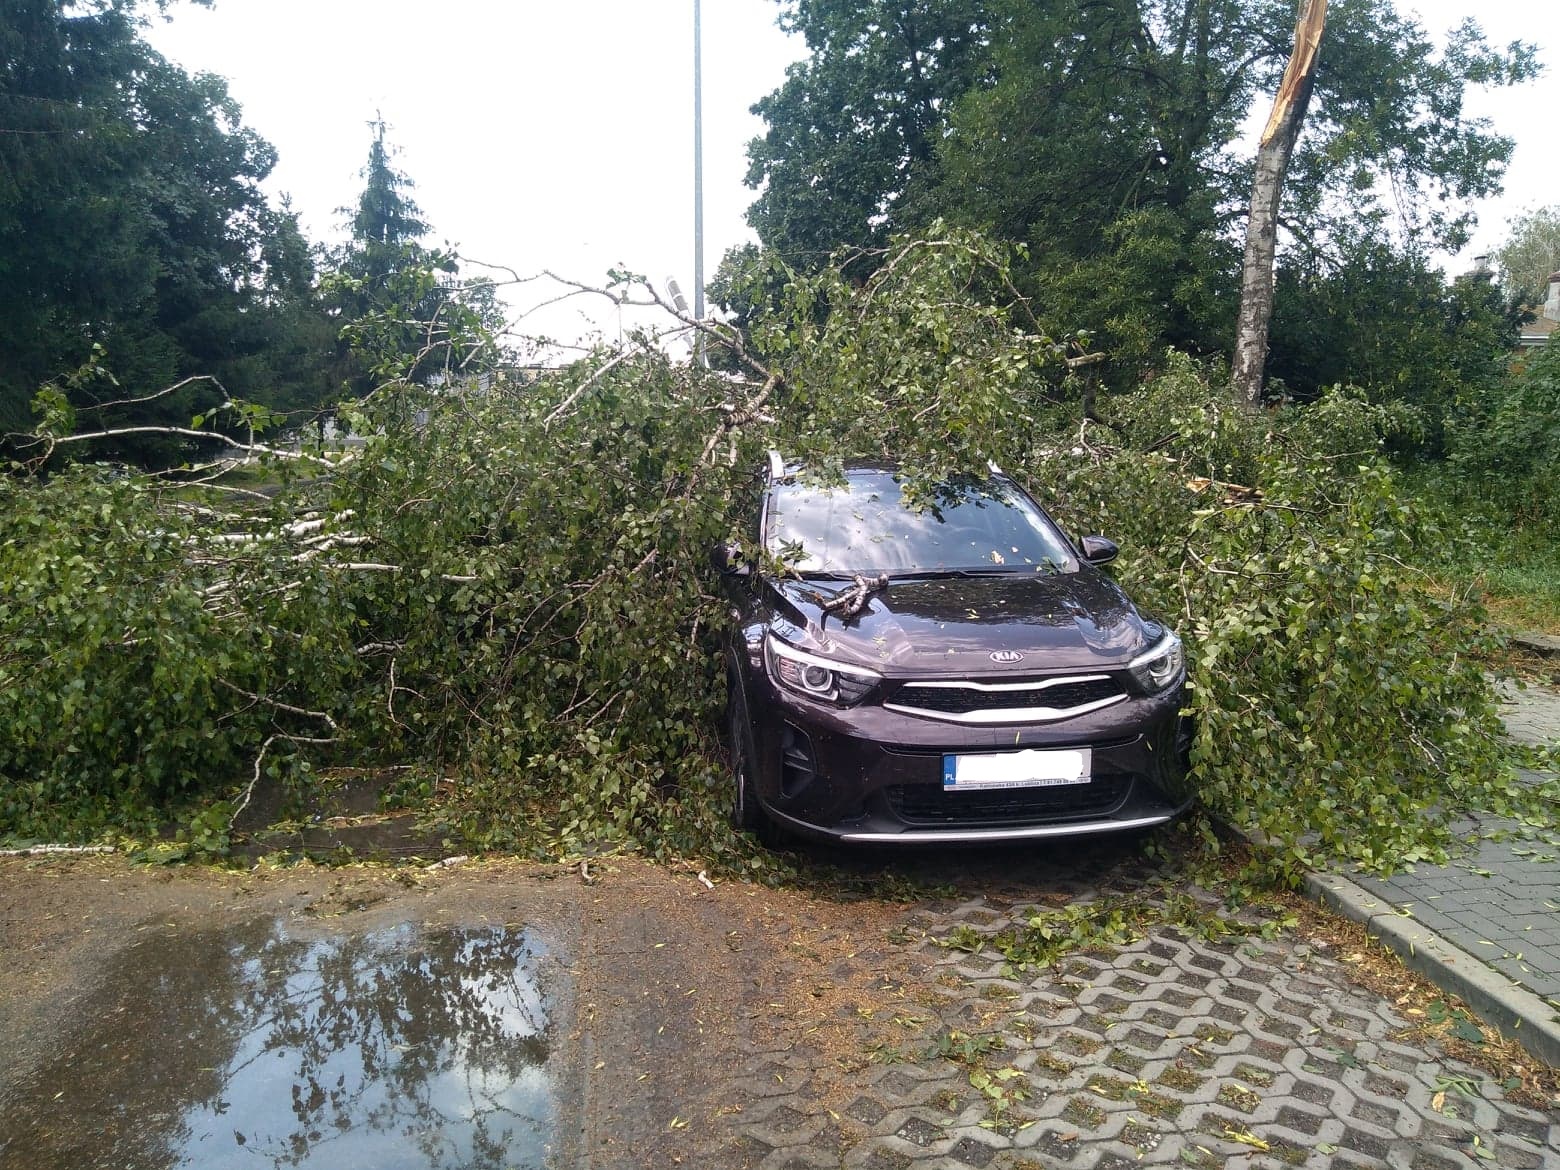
(727, 559)
(1099, 550)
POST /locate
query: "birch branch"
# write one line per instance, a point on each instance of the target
(164, 392)
(189, 432)
(323, 716)
(588, 382)
(375, 567)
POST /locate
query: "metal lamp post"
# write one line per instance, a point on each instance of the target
(698, 189)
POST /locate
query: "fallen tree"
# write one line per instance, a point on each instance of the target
(514, 592)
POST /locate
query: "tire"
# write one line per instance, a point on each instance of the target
(747, 815)
(1185, 737)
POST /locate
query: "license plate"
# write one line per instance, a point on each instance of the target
(1032, 768)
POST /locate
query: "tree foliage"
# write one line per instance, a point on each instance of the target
(134, 237)
(853, 130)
(1106, 138)
(396, 301)
(1508, 443)
(517, 592)
(1531, 254)
(1341, 706)
(1437, 347)
(933, 361)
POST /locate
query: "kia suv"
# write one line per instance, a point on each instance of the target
(940, 665)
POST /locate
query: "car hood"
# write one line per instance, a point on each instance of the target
(953, 625)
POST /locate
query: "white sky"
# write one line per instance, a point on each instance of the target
(558, 135)
(540, 134)
(1527, 113)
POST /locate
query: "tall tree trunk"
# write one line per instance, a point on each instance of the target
(1278, 143)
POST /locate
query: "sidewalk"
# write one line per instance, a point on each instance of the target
(1485, 927)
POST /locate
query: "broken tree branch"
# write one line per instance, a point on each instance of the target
(322, 716)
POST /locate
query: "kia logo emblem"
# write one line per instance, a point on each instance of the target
(1006, 656)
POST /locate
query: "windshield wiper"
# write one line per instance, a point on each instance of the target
(994, 571)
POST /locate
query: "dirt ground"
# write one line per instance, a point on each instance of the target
(666, 983)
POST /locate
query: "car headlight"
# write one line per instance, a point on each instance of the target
(1160, 666)
(818, 678)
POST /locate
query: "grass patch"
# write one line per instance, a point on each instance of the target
(1214, 1034)
(1183, 1080)
(1239, 1097)
(1156, 1105)
(1519, 577)
(1054, 1065)
(1126, 1062)
(1513, 563)
(1111, 1088)
(1254, 1076)
(1079, 1045)
(1083, 1115)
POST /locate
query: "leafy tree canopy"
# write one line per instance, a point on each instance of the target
(1508, 448)
(398, 302)
(135, 242)
(1436, 346)
(1531, 253)
(1106, 135)
(854, 129)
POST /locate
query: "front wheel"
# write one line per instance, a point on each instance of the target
(746, 815)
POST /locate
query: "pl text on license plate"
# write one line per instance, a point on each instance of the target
(1032, 768)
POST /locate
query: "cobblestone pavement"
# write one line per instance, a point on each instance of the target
(1172, 1051)
(1501, 901)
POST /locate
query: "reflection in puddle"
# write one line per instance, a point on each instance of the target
(254, 1049)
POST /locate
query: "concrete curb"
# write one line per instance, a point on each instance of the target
(1511, 1009)
(1543, 645)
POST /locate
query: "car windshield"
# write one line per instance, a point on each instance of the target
(868, 526)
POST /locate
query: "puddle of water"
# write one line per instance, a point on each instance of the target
(396, 1050)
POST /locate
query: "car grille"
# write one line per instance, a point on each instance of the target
(928, 804)
(1045, 698)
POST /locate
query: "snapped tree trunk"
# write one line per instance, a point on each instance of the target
(1273, 153)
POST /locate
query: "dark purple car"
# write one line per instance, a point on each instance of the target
(946, 669)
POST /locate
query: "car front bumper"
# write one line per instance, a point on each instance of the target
(868, 775)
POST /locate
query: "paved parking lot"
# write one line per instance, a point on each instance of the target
(1171, 1051)
(667, 1023)
(1499, 901)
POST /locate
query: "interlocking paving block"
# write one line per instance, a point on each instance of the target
(866, 1110)
(782, 1126)
(1170, 1051)
(919, 1131)
(970, 1151)
(871, 1156)
(800, 1159)
(1483, 926)
(906, 1085)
